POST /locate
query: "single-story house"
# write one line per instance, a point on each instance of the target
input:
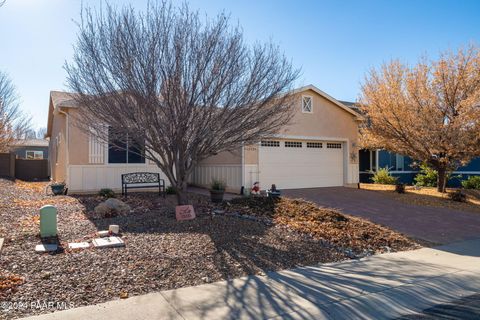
(318, 149)
(31, 149)
(404, 167)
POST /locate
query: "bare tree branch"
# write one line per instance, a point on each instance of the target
(13, 122)
(188, 88)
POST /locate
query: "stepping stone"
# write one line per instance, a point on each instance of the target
(110, 242)
(1, 244)
(78, 245)
(46, 248)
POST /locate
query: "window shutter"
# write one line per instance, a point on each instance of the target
(96, 148)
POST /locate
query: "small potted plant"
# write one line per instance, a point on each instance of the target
(58, 188)
(217, 189)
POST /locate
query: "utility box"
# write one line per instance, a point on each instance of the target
(48, 221)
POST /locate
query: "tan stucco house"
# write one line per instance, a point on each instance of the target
(318, 149)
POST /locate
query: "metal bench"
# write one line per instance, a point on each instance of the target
(136, 180)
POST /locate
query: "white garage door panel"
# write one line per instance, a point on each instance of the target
(304, 167)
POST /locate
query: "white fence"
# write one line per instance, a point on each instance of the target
(92, 178)
(231, 174)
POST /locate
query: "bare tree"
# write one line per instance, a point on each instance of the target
(2, 2)
(13, 123)
(41, 132)
(187, 89)
(429, 112)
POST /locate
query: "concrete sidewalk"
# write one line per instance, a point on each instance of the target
(379, 287)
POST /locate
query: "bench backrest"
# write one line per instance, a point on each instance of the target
(140, 177)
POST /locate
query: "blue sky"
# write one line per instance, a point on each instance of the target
(334, 42)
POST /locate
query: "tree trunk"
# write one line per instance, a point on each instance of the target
(182, 195)
(441, 179)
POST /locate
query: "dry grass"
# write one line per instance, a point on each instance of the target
(38, 187)
(323, 223)
(427, 196)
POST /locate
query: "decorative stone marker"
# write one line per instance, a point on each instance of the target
(46, 248)
(184, 212)
(103, 233)
(48, 221)
(1, 244)
(114, 228)
(78, 245)
(110, 242)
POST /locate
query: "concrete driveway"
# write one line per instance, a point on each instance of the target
(433, 224)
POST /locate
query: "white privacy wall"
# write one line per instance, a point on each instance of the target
(92, 178)
(231, 174)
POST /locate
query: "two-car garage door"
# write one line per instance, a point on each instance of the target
(301, 164)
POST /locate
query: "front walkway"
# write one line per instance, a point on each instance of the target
(378, 287)
(433, 224)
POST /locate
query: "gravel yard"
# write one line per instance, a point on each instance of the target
(161, 253)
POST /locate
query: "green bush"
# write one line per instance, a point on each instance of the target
(217, 185)
(106, 193)
(427, 177)
(473, 182)
(383, 176)
(171, 190)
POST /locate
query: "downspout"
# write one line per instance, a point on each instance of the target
(242, 189)
(67, 158)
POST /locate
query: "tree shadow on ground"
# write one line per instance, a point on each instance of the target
(229, 246)
(351, 290)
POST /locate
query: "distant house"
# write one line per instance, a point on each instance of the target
(31, 149)
(318, 149)
(402, 167)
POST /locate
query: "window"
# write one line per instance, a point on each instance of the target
(34, 155)
(270, 143)
(122, 149)
(334, 145)
(399, 162)
(315, 145)
(293, 144)
(307, 104)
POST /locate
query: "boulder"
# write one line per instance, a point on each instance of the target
(112, 207)
(118, 206)
(103, 210)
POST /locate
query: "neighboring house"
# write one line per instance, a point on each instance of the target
(318, 149)
(403, 167)
(30, 148)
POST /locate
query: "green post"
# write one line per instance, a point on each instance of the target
(48, 221)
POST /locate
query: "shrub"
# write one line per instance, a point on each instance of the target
(383, 176)
(400, 187)
(106, 193)
(458, 195)
(427, 177)
(217, 185)
(473, 182)
(171, 190)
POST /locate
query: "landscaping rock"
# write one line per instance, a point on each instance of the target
(40, 248)
(162, 254)
(103, 210)
(117, 205)
(1, 244)
(112, 207)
